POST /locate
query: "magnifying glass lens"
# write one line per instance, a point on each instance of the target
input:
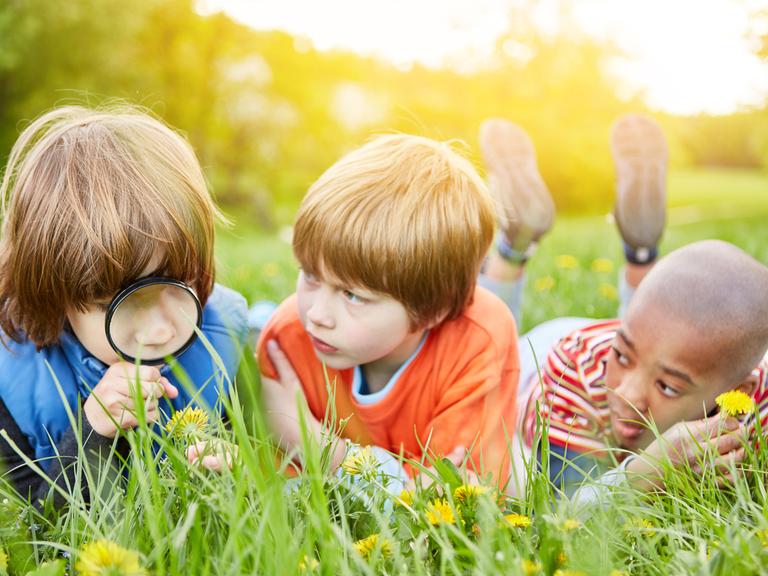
(153, 319)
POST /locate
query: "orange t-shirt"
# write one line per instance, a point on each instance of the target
(459, 389)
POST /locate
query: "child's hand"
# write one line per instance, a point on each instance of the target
(213, 455)
(111, 407)
(684, 444)
(282, 398)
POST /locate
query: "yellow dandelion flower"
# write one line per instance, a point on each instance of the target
(544, 284)
(603, 265)
(476, 529)
(619, 573)
(566, 262)
(104, 557)
(641, 525)
(763, 537)
(608, 291)
(467, 492)
(405, 498)
(440, 512)
(571, 524)
(187, 422)
(3, 561)
(560, 572)
(561, 559)
(518, 520)
(735, 403)
(530, 568)
(366, 546)
(308, 564)
(361, 462)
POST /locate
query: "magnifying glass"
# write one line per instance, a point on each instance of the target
(152, 319)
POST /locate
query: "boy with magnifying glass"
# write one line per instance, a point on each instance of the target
(106, 269)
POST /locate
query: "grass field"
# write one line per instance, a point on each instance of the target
(165, 517)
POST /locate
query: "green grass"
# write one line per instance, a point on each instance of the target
(253, 520)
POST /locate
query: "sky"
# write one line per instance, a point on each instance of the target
(686, 56)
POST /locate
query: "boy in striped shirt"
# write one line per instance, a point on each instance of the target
(610, 387)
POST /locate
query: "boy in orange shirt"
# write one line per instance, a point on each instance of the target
(386, 313)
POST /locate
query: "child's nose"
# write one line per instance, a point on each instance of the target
(320, 313)
(155, 331)
(633, 391)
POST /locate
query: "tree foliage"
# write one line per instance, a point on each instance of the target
(267, 113)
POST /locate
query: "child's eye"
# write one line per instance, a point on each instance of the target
(353, 298)
(309, 278)
(667, 390)
(620, 358)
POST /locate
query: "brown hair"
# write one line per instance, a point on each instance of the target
(89, 197)
(404, 216)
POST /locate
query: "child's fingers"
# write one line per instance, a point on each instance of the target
(725, 462)
(211, 455)
(130, 371)
(150, 373)
(151, 389)
(212, 463)
(725, 480)
(722, 464)
(130, 386)
(126, 403)
(724, 434)
(195, 451)
(158, 388)
(152, 415)
(725, 468)
(169, 389)
(729, 423)
(127, 420)
(456, 456)
(285, 372)
(728, 442)
(708, 428)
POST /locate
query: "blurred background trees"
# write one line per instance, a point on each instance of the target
(267, 113)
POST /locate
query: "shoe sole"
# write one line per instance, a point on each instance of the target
(524, 203)
(640, 154)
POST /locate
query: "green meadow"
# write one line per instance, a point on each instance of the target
(162, 516)
(266, 110)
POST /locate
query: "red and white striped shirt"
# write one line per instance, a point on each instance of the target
(572, 396)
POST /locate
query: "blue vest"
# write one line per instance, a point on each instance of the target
(30, 394)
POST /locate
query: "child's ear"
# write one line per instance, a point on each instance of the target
(748, 385)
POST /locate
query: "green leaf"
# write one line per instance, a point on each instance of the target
(448, 473)
(54, 568)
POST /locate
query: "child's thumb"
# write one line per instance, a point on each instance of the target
(170, 390)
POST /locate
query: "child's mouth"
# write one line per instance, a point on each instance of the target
(321, 346)
(627, 428)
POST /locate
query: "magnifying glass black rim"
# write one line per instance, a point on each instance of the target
(130, 289)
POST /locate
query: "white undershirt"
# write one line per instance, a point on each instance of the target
(375, 397)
